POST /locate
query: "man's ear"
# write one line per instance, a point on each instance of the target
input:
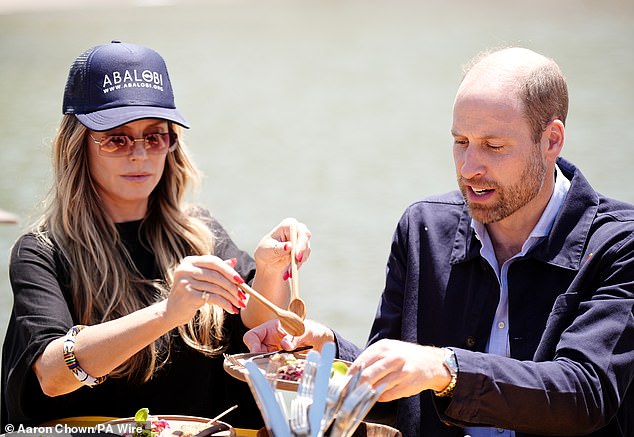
(553, 138)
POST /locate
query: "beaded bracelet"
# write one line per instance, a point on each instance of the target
(71, 360)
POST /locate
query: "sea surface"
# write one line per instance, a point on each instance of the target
(334, 112)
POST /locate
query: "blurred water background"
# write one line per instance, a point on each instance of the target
(335, 112)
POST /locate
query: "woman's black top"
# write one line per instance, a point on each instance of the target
(189, 384)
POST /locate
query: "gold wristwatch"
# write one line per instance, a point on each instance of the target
(451, 364)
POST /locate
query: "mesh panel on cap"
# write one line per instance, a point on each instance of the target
(75, 83)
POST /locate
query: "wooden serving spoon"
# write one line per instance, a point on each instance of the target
(296, 305)
(291, 322)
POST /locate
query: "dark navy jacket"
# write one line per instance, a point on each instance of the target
(571, 326)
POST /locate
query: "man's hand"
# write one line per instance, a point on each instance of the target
(406, 368)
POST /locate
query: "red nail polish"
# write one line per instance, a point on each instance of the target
(242, 303)
(285, 247)
(238, 279)
(285, 276)
(300, 256)
(235, 310)
(242, 294)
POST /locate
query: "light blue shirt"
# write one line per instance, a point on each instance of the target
(498, 343)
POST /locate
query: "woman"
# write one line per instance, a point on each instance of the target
(120, 287)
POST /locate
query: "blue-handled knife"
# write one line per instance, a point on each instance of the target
(317, 409)
(271, 410)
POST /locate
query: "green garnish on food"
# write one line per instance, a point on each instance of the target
(141, 415)
(339, 367)
(146, 425)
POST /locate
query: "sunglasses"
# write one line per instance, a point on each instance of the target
(123, 145)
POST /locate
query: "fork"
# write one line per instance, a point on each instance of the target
(336, 386)
(300, 404)
(350, 383)
(348, 413)
(299, 416)
(364, 406)
(232, 360)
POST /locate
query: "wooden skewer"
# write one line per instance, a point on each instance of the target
(224, 413)
(291, 322)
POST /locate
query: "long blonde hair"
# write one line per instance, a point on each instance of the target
(104, 283)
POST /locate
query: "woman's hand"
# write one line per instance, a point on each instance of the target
(199, 280)
(274, 250)
(270, 336)
(273, 267)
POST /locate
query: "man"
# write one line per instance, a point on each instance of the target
(507, 308)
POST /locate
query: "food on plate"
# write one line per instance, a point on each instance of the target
(150, 426)
(290, 367)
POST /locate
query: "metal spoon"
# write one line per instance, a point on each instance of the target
(291, 322)
(296, 305)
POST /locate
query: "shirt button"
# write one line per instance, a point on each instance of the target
(470, 341)
(501, 325)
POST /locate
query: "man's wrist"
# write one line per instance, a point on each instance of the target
(451, 364)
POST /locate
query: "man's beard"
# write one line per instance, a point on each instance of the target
(511, 198)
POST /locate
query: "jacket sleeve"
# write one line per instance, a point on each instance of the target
(583, 366)
(346, 350)
(389, 315)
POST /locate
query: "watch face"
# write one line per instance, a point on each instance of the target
(450, 361)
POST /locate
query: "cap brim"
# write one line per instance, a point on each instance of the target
(110, 118)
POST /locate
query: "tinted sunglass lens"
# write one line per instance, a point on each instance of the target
(157, 142)
(154, 141)
(115, 144)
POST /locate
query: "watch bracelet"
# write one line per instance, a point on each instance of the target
(448, 391)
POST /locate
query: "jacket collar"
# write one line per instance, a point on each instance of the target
(564, 246)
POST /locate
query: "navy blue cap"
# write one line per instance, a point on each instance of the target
(117, 83)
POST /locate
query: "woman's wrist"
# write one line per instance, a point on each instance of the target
(270, 282)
